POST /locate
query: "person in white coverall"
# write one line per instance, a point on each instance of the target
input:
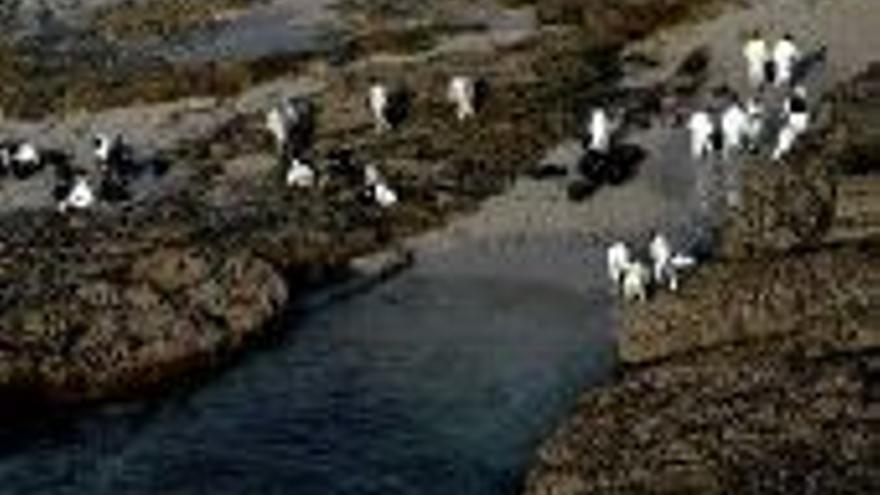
(755, 126)
(462, 92)
(757, 56)
(786, 56)
(797, 112)
(701, 129)
(80, 197)
(600, 131)
(379, 100)
(797, 119)
(734, 125)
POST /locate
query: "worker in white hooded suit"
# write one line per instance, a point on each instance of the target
(462, 93)
(797, 112)
(292, 124)
(599, 132)
(300, 174)
(735, 126)
(80, 196)
(797, 120)
(377, 188)
(755, 126)
(701, 128)
(786, 56)
(380, 106)
(757, 56)
(666, 263)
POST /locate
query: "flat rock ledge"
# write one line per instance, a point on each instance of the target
(763, 374)
(167, 312)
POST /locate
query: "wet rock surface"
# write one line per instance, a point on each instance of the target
(721, 424)
(108, 302)
(760, 376)
(88, 317)
(789, 207)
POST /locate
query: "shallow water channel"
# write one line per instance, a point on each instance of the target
(442, 380)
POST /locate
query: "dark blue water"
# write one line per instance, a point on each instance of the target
(433, 383)
(442, 380)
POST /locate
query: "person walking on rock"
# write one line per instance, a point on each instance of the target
(757, 57)
(786, 56)
(734, 125)
(701, 129)
(599, 132)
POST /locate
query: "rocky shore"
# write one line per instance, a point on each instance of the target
(112, 303)
(761, 376)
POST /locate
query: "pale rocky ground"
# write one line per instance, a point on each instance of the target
(154, 129)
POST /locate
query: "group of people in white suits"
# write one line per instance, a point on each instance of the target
(461, 92)
(292, 123)
(114, 165)
(728, 127)
(771, 66)
(741, 125)
(634, 279)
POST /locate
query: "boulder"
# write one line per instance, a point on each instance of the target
(175, 311)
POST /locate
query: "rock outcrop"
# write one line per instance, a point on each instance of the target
(762, 375)
(90, 331)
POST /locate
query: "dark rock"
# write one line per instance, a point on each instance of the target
(758, 377)
(158, 166)
(581, 189)
(692, 74)
(548, 171)
(760, 374)
(623, 163)
(696, 64)
(593, 165)
(117, 334)
(482, 92)
(114, 188)
(786, 207)
(716, 427)
(399, 105)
